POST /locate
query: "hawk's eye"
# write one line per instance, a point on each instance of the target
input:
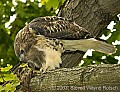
(21, 51)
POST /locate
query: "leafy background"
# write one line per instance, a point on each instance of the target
(14, 14)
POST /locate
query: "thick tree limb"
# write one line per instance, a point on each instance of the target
(104, 78)
(94, 15)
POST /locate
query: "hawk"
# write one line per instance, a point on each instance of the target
(41, 42)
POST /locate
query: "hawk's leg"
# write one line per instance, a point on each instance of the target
(24, 73)
(25, 80)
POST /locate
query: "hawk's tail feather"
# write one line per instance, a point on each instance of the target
(85, 44)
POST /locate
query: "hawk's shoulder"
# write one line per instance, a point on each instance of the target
(58, 27)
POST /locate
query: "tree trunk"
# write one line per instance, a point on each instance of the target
(94, 15)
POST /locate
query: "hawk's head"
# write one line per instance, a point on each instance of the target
(23, 42)
(26, 46)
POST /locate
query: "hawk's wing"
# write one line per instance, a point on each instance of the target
(58, 27)
(61, 28)
(70, 34)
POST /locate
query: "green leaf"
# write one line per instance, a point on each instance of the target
(43, 2)
(9, 77)
(1, 88)
(1, 79)
(23, 65)
(9, 88)
(50, 4)
(6, 68)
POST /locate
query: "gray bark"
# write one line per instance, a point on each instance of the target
(99, 78)
(94, 15)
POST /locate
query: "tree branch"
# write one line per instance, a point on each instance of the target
(98, 78)
(94, 15)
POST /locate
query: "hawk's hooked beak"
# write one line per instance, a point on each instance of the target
(22, 58)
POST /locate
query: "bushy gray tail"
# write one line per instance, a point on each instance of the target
(85, 44)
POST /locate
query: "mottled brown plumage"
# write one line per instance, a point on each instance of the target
(44, 39)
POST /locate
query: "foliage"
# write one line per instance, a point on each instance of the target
(49, 4)
(9, 80)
